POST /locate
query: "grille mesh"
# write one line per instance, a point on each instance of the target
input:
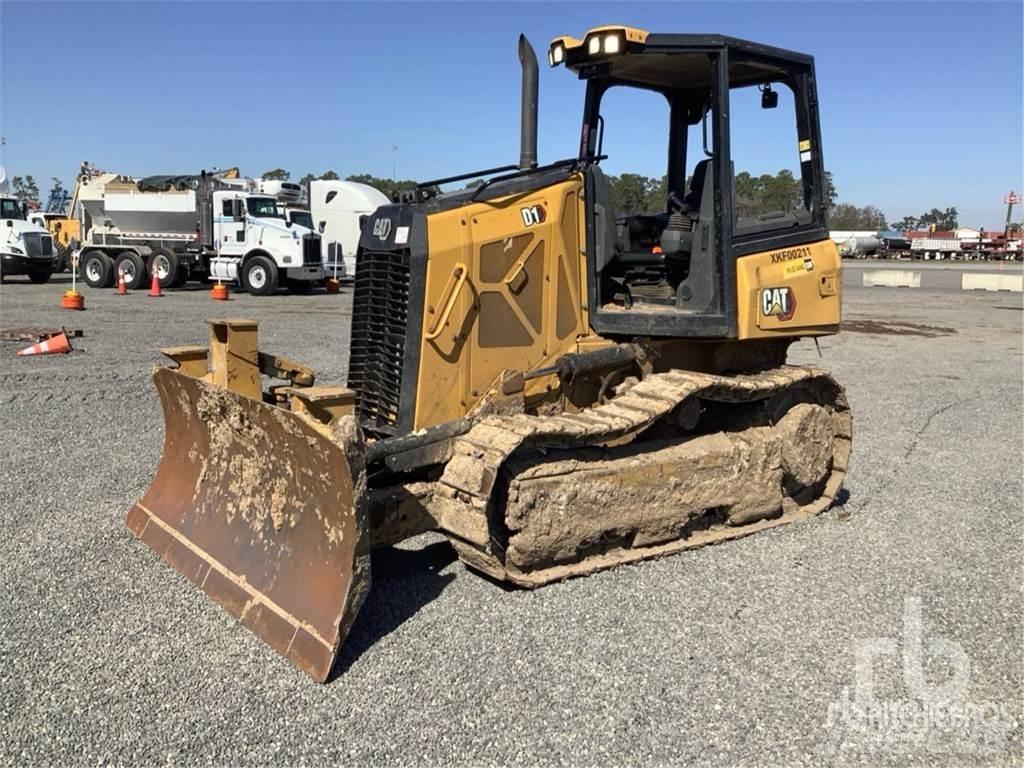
(311, 250)
(379, 316)
(38, 244)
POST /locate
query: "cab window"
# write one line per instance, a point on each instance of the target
(773, 188)
(263, 208)
(635, 141)
(10, 209)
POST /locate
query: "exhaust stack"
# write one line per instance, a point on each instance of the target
(205, 208)
(528, 117)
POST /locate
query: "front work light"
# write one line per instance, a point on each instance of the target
(605, 43)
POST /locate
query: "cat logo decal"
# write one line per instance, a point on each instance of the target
(778, 302)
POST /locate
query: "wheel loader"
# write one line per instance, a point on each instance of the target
(555, 386)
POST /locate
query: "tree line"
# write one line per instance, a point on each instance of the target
(753, 195)
(634, 193)
(389, 187)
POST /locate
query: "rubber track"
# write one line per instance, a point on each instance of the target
(472, 474)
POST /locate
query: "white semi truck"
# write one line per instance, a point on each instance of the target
(299, 215)
(26, 248)
(339, 209)
(295, 210)
(214, 226)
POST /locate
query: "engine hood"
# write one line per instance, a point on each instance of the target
(19, 227)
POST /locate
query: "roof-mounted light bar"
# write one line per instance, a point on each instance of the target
(560, 46)
(609, 40)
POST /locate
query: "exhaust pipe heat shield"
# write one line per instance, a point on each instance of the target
(265, 512)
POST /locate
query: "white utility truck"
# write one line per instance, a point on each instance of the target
(214, 226)
(339, 209)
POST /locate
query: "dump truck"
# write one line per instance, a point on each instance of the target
(210, 226)
(555, 388)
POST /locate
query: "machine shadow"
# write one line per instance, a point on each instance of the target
(403, 581)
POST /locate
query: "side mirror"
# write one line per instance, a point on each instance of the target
(322, 227)
(288, 223)
(10, 223)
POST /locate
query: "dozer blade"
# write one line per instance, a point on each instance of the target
(264, 512)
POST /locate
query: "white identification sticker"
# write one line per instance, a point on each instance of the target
(805, 156)
(401, 235)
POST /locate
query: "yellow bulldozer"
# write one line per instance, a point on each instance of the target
(555, 387)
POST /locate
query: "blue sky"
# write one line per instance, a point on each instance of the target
(921, 102)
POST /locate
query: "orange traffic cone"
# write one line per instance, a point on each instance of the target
(219, 292)
(122, 288)
(154, 287)
(50, 346)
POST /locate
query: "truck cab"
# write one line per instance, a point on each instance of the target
(339, 209)
(330, 250)
(256, 244)
(26, 248)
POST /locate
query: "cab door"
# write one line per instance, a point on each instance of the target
(230, 220)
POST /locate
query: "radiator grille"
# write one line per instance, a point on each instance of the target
(37, 244)
(311, 250)
(380, 310)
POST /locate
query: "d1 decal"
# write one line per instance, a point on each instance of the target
(535, 214)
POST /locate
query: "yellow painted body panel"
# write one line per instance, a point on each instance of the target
(806, 279)
(63, 230)
(519, 306)
(506, 291)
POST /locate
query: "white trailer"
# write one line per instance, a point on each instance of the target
(206, 227)
(339, 209)
(935, 247)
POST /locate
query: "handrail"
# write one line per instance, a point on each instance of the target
(463, 176)
(569, 163)
(459, 275)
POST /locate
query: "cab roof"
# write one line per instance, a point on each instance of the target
(634, 55)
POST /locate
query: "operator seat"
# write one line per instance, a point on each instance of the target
(693, 198)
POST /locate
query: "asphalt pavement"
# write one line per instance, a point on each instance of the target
(753, 652)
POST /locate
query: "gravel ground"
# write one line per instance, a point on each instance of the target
(735, 654)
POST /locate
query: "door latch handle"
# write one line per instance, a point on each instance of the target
(512, 281)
